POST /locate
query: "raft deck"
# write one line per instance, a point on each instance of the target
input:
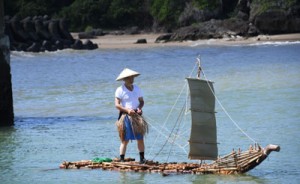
(236, 162)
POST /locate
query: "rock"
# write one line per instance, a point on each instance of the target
(46, 17)
(239, 26)
(21, 46)
(18, 31)
(212, 29)
(59, 45)
(252, 31)
(117, 32)
(63, 30)
(91, 34)
(29, 28)
(40, 33)
(276, 17)
(163, 38)
(46, 45)
(141, 41)
(192, 14)
(187, 33)
(294, 25)
(77, 45)
(89, 45)
(98, 32)
(294, 19)
(67, 43)
(54, 30)
(242, 15)
(272, 22)
(86, 35)
(205, 30)
(41, 30)
(35, 47)
(132, 30)
(8, 32)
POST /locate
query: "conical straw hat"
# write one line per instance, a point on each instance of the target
(127, 73)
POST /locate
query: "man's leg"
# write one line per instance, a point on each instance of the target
(123, 147)
(141, 147)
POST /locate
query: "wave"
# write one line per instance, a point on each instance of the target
(275, 43)
(19, 54)
(60, 119)
(261, 43)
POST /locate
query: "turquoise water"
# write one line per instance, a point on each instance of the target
(64, 110)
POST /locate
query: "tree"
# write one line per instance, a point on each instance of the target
(166, 12)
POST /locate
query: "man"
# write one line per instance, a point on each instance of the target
(131, 125)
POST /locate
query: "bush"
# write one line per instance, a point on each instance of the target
(166, 12)
(88, 29)
(206, 4)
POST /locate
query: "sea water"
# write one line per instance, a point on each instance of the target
(64, 110)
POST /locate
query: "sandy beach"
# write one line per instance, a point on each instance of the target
(129, 41)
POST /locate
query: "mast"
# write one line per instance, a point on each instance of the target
(203, 138)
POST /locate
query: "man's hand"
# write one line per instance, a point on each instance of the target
(130, 112)
(139, 111)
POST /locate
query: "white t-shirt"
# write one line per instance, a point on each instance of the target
(129, 99)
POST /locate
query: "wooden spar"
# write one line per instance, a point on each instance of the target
(233, 163)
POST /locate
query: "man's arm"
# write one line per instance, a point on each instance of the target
(141, 105)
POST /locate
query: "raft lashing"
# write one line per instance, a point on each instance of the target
(237, 162)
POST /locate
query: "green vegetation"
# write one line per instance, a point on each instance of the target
(119, 14)
(167, 11)
(88, 29)
(206, 4)
(265, 5)
(84, 13)
(25, 8)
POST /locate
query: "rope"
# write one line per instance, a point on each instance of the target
(167, 118)
(179, 119)
(226, 110)
(169, 114)
(186, 111)
(176, 135)
(167, 138)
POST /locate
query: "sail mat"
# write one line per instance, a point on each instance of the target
(203, 139)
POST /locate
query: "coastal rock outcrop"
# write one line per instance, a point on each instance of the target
(212, 29)
(278, 21)
(39, 34)
(248, 18)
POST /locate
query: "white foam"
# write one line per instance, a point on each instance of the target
(275, 43)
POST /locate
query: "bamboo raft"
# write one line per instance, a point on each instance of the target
(237, 162)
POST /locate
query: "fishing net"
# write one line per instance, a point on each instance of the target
(138, 123)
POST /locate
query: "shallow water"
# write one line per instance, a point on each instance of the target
(64, 110)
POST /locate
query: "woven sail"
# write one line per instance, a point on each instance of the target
(203, 139)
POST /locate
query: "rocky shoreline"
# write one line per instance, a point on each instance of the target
(225, 20)
(152, 40)
(41, 33)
